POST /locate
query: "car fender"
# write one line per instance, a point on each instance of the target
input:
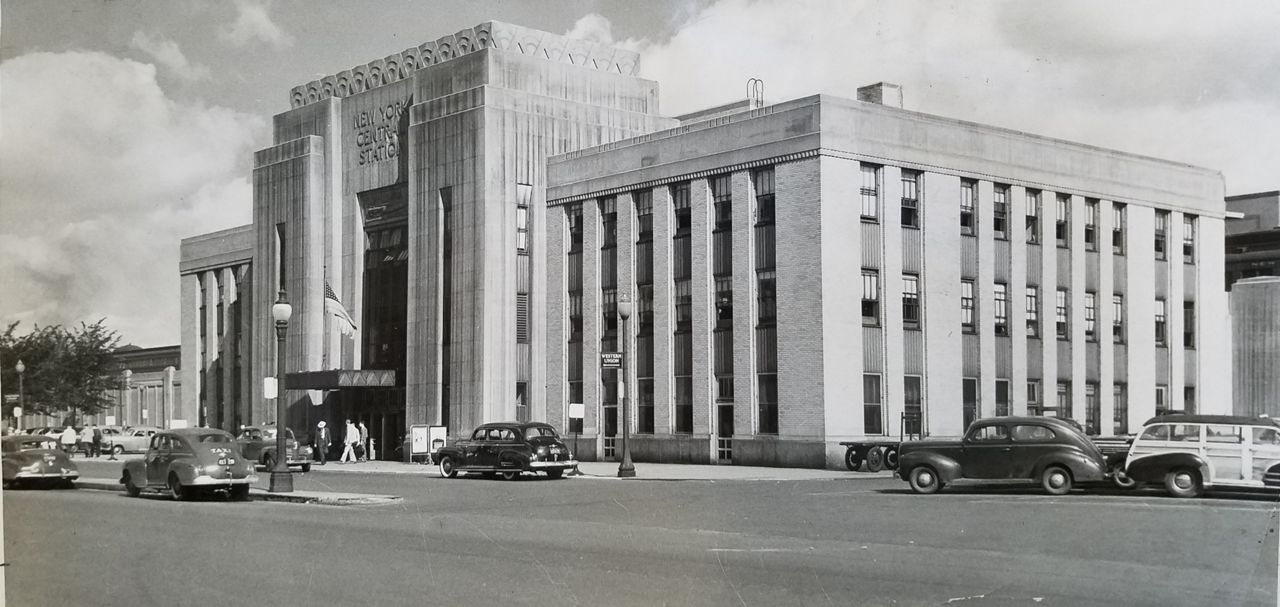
(1152, 468)
(10, 469)
(185, 470)
(1082, 467)
(137, 469)
(520, 459)
(948, 469)
(450, 451)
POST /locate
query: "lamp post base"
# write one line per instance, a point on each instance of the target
(281, 482)
(626, 469)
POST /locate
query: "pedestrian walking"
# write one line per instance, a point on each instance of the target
(85, 442)
(363, 451)
(321, 441)
(67, 440)
(350, 439)
(97, 442)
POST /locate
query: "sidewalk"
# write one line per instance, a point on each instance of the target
(644, 471)
(328, 498)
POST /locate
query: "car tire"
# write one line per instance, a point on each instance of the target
(131, 489)
(510, 475)
(118, 450)
(1122, 480)
(447, 469)
(1183, 482)
(852, 460)
(891, 458)
(1056, 480)
(176, 489)
(269, 462)
(924, 480)
(555, 473)
(875, 459)
(240, 493)
(306, 467)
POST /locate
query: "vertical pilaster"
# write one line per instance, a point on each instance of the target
(1077, 311)
(592, 422)
(557, 336)
(841, 326)
(1106, 319)
(1177, 349)
(700, 289)
(626, 217)
(1213, 335)
(1048, 299)
(986, 296)
(892, 386)
(1141, 314)
(744, 300)
(1018, 300)
(940, 299)
(663, 327)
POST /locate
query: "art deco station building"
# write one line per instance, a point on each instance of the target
(480, 205)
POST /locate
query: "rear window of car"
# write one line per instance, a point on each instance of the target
(537, 431)
(1032, 434)
(1214, 433)
(215, 438)
(1266, 436)
(1157, 432)
(987, 434)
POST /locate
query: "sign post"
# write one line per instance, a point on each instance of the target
(576, 411)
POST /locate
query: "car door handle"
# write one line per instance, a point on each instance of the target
(1007, 449)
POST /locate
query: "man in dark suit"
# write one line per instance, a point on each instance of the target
(320, 442)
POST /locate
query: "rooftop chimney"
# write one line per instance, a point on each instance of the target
(884, 93)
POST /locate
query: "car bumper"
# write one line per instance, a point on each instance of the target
(209, 481)
(63, 474)
(566, 464)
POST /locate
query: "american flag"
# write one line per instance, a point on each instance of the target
(332, 305)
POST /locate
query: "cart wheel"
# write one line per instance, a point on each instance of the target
(891, 458)
(875, 460)
(852, 460)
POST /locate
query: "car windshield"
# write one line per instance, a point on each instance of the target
(536, 431)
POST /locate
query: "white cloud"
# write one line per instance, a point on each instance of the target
(253, 23)
(101, 175)
(1194, 82)
(167, 53)
(597, 28)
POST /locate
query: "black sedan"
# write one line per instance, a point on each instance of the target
(1043, 449)
(32, 460)
(508, 448)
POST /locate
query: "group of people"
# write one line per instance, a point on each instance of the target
(88, 441)
(355, 440)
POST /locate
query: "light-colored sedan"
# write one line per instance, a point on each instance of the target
(133, 439)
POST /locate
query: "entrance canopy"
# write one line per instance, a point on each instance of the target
(341, 378)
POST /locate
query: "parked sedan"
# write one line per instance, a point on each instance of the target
(258, 444)
(508, 448)
(190, 460)
(1044, 449)
(133, 439)
(31, 460)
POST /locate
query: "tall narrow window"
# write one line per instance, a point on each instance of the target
(1117, 228)
(1162, 336)
(969, 400)
(645, 342)
(682, 300)
(1162, 399)
(910, 198)
(870, 193)
(1000, 212)
(1091, 316)
(1092, 410)
(1060, 314)
(1034, 405)
(575, 366)
(1091, 224)
(766, 304)
(1189, 324)
(910, 301)
(1002, 309)
(1033, 311)
(968, 207)
(967, 322)
(1033, 216)
(1062, 228)
(1189, 400)
(912, 404)
(523, 192)
(722, 275)
(1002, 397)
(722, 198)
(1117, 318)
(1063, 408)
(872, 415)
(1120, 415)
(1162, 234)
(282, 265)
(1188, 239)
(763, 180)
(870, 298)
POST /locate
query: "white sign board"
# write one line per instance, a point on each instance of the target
(268, 387)
(419, 440)
(17, 411)
(177, 423)
(577, 411)
(439, 434)
(111, 420)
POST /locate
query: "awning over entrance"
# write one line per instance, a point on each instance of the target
(341, 378)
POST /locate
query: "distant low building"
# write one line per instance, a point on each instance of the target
(1253, 236)
(1253, 277)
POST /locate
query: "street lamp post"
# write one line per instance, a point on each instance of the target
(281, 478)
(22, 404)
(626, 469)
(124, 398)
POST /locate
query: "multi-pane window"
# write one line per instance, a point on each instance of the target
(1033, 216)
(1092, 410)
(1120, 415)
(1060, 314)
(1162, 399)
(1188, 238)
(722, 199)
(1189, 324)
(1062, 228)
(1002, 308)
(763, 180)
(1091, 224)
(1033, 311)
(1117, 228)
(967, 321)
(872, 416)
(969, 400)
(1162, 336)
(911, 301)
(767, 297)
(1063, 408)
(1034, 406)
(870, 297)
(968, 206)
(1117, 318)
(910, 198)
(1002, 397)
(766, 366)
(1189, 400)
(1000, 212)
(682, 300)
(523, 194)
(913, 404)
(870, 193)
(1162, 234)
(1090, 316)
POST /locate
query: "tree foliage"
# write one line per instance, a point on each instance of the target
(68, 370)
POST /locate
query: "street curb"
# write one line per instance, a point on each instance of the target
(301, 497)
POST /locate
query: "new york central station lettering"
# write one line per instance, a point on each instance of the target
(378, 140)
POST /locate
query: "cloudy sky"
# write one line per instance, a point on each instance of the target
(127, 125)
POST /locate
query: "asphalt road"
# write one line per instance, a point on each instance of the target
(473, 541)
